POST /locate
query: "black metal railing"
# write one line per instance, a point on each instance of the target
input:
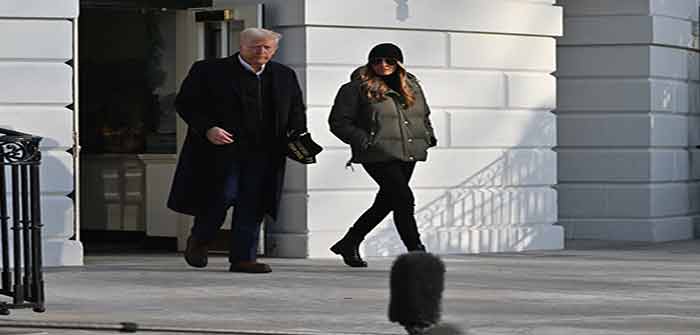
(20, 221)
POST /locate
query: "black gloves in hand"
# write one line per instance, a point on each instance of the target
(301, 148)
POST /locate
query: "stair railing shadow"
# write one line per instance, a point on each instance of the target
(474, 215)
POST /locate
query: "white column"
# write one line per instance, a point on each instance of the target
(36, 86)
(627, 115)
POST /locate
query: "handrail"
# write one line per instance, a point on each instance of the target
(19, 148)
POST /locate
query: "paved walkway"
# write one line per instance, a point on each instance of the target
(587, 289)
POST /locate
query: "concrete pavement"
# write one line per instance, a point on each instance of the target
(590, 288)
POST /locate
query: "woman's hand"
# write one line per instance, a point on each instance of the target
(219, 136)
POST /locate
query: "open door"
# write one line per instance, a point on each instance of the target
(127, 80)
(211, 33)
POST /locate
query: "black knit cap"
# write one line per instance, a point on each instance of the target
(386, 50)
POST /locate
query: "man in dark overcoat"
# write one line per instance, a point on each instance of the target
(240, 111)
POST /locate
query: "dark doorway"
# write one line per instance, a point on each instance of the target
(127, 88)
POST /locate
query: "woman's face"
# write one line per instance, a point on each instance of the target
(383, 66)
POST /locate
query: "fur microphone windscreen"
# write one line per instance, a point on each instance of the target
(417, 281)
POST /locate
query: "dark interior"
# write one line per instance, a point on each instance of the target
(127, 89)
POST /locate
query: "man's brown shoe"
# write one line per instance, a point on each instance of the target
(196, 252)
(250, 267)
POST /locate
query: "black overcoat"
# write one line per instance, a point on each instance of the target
(210, 96)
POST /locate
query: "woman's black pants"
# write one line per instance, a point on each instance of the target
(394, 195)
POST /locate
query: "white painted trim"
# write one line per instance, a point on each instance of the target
(76, 134)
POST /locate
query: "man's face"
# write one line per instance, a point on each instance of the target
(258, 52)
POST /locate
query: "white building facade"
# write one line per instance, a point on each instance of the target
(487, 187)
(627, 120)
(36, 96)
(508, 175)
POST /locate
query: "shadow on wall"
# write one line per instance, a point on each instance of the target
(481, 213)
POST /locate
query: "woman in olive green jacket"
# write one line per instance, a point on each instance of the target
(383, 115)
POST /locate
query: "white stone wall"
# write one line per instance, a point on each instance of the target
(627, 115)
(486, 68)
(36, 86)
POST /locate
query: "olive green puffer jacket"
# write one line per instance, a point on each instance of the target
(384, 130)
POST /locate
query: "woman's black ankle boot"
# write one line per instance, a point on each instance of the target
(348, 247)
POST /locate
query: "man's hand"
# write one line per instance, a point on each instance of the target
(219, 136)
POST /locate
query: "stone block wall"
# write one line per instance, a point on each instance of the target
(486, 69)
(628, 119)
(36, 86)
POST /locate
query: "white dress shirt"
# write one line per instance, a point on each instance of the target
(250, 68)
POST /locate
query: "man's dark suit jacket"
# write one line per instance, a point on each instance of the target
(210, 96)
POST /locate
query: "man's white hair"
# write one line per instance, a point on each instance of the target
(255, 34)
